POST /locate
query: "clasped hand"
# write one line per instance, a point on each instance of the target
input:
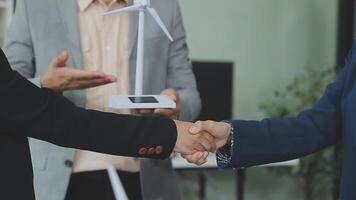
(195, 141)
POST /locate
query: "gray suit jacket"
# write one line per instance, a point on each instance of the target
(41, 29)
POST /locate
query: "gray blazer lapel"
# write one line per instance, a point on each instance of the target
(69, 16)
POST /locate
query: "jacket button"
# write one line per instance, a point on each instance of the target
(151, 151)
(159, 150)
(68, 163)
(142, 151)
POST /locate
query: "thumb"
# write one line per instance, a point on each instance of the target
(171, 93)
(196, 128)
(173, 97)
(208, 126)
(60, 60)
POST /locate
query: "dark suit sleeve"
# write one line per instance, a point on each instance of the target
(276, 140)
(28, 111)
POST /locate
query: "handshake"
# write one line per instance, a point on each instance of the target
(196, 141)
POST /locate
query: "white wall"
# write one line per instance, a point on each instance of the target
(270, 41)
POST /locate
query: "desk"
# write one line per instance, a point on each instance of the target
(181, 164)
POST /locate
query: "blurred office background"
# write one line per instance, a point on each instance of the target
(271, 44)
(264, 46)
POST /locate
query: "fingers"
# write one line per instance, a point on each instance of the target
(172, 93)
(81, 75)
(203, 159)
(193, 158)
(199, 142)
(198, 158)
(210, 126)
(164, 112)
(145, 111)
(188, 143)
(205, 142)
(160, 112)
(61, 76)
(199, 126)
(80, 79)
(219, 130)
(89, 84)
(200, 147)
(174, 97)
(211, 140)
(173, 155)
(60, 60)
(170, 113)
(110, 78)
(196, 128)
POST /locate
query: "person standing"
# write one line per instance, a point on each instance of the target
(42, 29)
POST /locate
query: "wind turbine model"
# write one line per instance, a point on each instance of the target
(116, 184)
(139, 100)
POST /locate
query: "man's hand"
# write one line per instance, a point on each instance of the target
(169, 113)
(198, 158)
(60, 76)
(188, 143)
(219, 130)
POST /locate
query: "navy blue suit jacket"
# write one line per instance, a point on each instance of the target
(331, 119)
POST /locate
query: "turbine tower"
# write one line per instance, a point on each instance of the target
(141, 6)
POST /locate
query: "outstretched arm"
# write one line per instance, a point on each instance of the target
(276, 140)
(28, 111)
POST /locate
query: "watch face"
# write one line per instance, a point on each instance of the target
(143, 99)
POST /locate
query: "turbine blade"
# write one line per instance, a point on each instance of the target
(121, 10)
(155, 16)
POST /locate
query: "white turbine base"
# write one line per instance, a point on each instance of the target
(126, 102)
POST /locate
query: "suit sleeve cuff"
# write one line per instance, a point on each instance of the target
(224, 154)
(160, 144)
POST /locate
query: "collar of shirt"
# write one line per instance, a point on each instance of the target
(84, 4)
